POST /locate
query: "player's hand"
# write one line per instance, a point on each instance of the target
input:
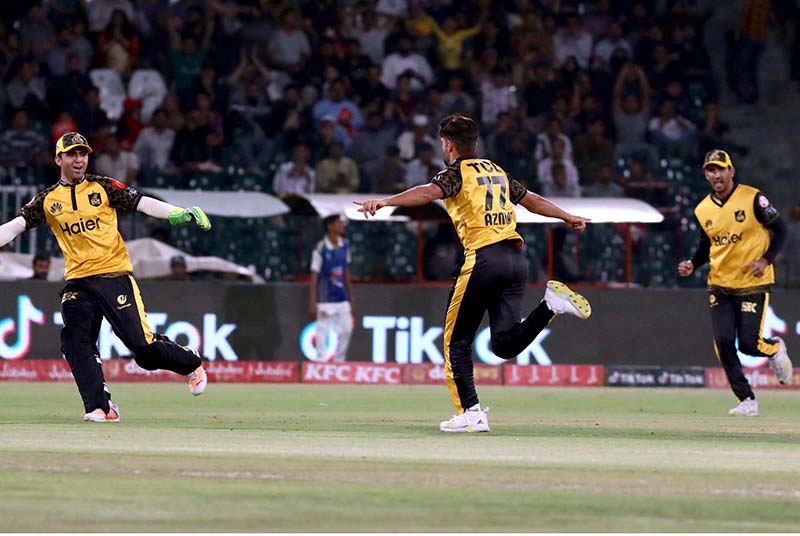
(180, 217)
(758, 267)
(685, 268)
(370, 207)
(578, 223)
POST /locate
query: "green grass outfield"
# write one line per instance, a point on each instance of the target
(291, 458)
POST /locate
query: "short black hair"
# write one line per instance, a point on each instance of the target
(40, 257)
(329, 220)
(461, 130)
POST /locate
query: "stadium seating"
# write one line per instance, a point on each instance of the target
(112, 91)
(148, 86)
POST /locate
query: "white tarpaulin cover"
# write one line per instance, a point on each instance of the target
(150, 260)
(600, 210)
(229, 204)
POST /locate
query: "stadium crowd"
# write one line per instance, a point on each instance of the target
(574, 98)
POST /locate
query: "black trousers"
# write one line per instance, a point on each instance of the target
(742, 317)
(491, 279)
(84, 303)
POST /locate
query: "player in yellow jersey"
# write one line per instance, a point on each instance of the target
(81, 209)
(480, 197)
(741, 233)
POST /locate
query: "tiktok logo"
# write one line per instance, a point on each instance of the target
(27, 313)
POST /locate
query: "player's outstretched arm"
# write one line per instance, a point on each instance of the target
(418, 195)
(177, 216)
(9, 231)
(540, 205)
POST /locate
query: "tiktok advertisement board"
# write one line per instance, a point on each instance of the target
(392, 324)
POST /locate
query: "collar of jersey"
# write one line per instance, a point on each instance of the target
(330, 244)
(62, 182)
(465, 157)
(720, 202)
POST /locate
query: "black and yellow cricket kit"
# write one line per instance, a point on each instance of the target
(99, 282)
(736, 231)
(480, 200)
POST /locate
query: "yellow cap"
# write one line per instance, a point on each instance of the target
(69, 141)
(717, 157)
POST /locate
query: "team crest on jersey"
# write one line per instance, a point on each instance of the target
(55, 208)
(739, 215)
(709, 223)
(95, 200)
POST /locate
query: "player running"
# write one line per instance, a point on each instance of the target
(480, 197)
(81, 209)
(740, 234)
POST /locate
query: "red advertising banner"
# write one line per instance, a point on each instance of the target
(760, 378)
(434, 374)
(365, 373)
(126, 370)
(555, 375)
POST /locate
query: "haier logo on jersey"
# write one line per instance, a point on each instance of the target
(80, 226)
(728, 238)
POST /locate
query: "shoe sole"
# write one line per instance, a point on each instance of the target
(577, 300)
(787, 366)
(468, 430)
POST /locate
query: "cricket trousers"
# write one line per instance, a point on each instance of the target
(337, 317)
(742, 317)
(491, 279)
(84, 304)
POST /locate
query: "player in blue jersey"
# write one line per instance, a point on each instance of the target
(330, 292)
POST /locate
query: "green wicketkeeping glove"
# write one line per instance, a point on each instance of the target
(182, 216)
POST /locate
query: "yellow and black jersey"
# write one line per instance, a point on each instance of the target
(83, 217)
(736, 231)
(480, 197)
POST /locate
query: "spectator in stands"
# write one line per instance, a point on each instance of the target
(404, 61)
(88, 114)
(371, 30)
(66, 92)
(38, 35)
(540, 94)
(557, 183)
(28, 91)
(370, 93)
(409, 141)
(345, 111)
(518, 162)
(337, 173)
(641, 184)
(593, 150)
(154, 143)
(757, 16)
(714, 132)
(544, 170)
(604, 185)
(41, 267)
(186, 61)
(631, 105)
(388, 176)
(64, 123)
(614, 41)
(673, 134)
(101, 12)
(81, 47)
(546, 141)
(451, 40)
(289, 47)
(455, 100)
(119, 44)
(295, 177)
(58, 54)
(497, 96)
(421, 169)
(191, 151)
(177, 269)
(572, 41)
(117, 163)
(370, 144)
(499, 139)
(22, 146)
(249, 119)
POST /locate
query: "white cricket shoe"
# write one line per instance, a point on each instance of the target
(197, 380)
(472, 420)
(780, 364)
(746, 408)
(99, 415)
(562, 300)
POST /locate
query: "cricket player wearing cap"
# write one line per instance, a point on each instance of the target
(81, 209)
(740, 234)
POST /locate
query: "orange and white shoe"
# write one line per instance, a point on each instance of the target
(197, 381)
(99, 415)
